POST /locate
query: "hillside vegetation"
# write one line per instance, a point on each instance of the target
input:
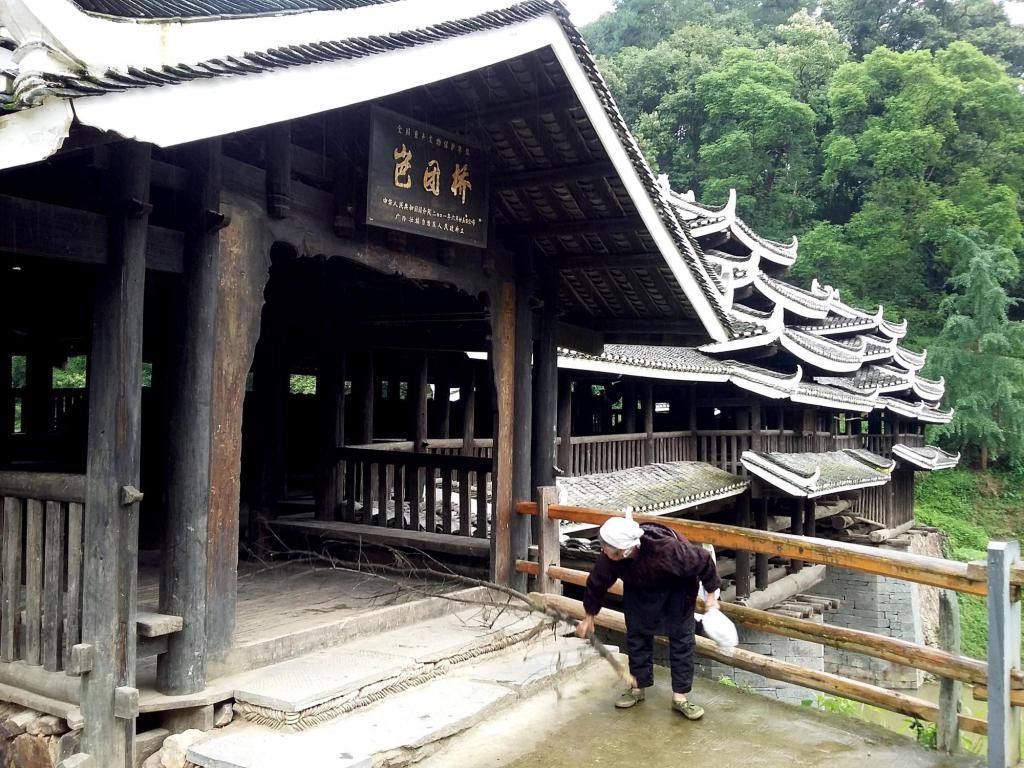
(888, 136)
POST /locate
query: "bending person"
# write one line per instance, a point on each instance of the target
(660, 571)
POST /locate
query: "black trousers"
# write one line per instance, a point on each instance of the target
(649, 611)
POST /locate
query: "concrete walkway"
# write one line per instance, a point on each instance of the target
(577, 727)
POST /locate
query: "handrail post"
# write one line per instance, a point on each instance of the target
(1003, 655)
(548, 544)
(949, 689)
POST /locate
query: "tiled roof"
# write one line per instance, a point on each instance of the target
(818, 474)
(823, 352)
(451, 21)
(654, 488)
(872, 378)
(812, 304)
(197, 9)
(926, 457)
(821, 394)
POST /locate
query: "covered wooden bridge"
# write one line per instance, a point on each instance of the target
(370, 271)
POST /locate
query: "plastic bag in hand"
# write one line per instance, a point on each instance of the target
(719, 628)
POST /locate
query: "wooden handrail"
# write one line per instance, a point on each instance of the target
(786, 671)
(47, 486)
(932, 660)
(931, 571)
(407, 459)
(591, 439)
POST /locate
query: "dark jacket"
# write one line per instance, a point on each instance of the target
(665, 560)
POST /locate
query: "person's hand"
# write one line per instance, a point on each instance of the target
(585, 627)
(710, 602)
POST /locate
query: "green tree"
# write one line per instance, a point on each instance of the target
(981, 353)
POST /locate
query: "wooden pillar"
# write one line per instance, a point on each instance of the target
(522, 478)
(545, 380)
(503, 358)
(565, 424)
(443, 405)
(467, 398)
(761, 559)
(6, 402)
(743, 556)
(35, 408)
(330, 391)
(419, 389)
(796, 517)
(647, 394)
(270, 394)
(112, 468)
(182, 669)
(368, 393)
(242, 255)
(755, 426)
(628, 406)
(278, 155)
(810, 516)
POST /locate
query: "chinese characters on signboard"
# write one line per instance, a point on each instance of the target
(425, 181)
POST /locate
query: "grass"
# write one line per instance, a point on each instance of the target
(972, 508)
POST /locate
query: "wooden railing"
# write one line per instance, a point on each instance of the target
(606, 453)
(41, 568)
(1000, 680)
(444, 494)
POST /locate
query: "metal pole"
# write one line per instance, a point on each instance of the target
(1003, 655)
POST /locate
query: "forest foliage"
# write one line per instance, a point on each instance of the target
(888, 136)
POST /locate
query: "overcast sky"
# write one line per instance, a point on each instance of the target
(585, 11)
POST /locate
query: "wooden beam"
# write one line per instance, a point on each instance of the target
(183, 585)
(609, 226)
(43, 485)
(56, 232)
(545, 177)
(559, 100)
(610, 260)
(110, 536)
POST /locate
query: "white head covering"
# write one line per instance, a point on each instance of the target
(621, 532)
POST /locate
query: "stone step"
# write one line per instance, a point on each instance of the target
(318, 687)
(405, 725)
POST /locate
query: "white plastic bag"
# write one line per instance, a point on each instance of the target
(719, 628)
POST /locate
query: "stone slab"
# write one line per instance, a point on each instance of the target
(408, 720)
(528, 667)
(310, 680)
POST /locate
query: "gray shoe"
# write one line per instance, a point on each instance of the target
(688, 709)
(630, 698)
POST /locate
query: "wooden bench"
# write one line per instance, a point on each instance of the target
(444, 543)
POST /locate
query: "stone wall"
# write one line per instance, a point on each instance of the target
(30, 739)
(878, 604)
(805, 654)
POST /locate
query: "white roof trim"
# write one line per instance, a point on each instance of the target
(32, 135)
(746, 342)
(835, 404)
(910, 455)
(629, 369)
(766, 289)
(798, 350)
(780, 477)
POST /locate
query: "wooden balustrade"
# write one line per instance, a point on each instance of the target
(41, 567)
(440, 493)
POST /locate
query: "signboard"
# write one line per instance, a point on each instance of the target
(425, 181)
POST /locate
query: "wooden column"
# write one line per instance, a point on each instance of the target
(545, 381)
(761, 559)
(443, 405)
(6, 403)
(522, 478)
(35, 408)
(419, 389)
(111, 520)
(796, 517)
(743, 556)
(628, 406)
(755, 426)
(278, 154)
(184, 562)
(810, 516)
(330, 391)
(647, 394)
(368, 393)
(565, 423)
(242, 257)
(503, 357)
(467, 398)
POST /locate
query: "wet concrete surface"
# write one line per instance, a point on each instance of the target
(578, 727)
